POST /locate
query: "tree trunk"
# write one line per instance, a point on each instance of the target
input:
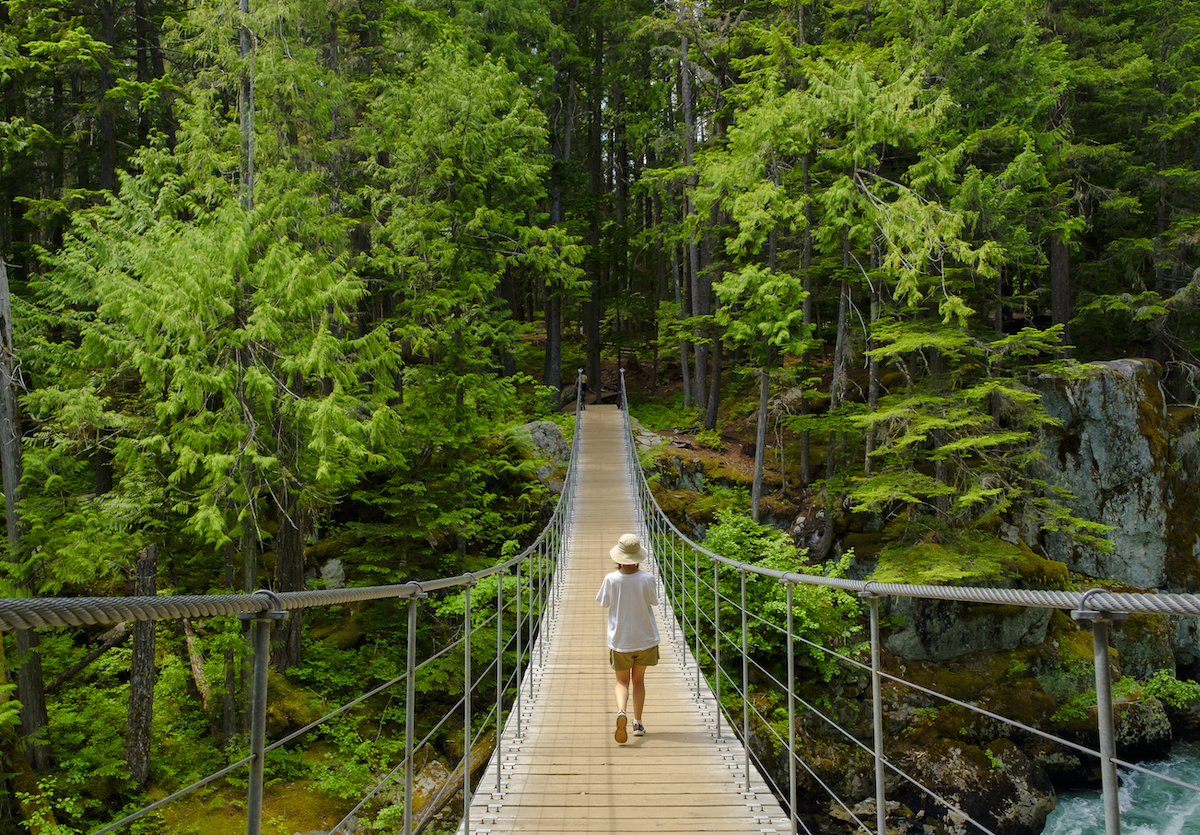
(30, 689)
(246, 108)
(684, 360)
(872, 361)
(806, 254)
(289, 541)
(836, 391)
(1060, 283)
(689, 145)
(140, 715)
(107, 119)
(760, 441)
(561, 126)
(117, 636)
(938, 368)
(714, 386)
(595, 189)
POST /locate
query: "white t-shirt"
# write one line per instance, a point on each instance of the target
(630, 600)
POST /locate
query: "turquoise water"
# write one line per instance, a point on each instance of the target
(1148, 806)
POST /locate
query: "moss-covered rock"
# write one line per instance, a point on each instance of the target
(937, 629)
(289, 706)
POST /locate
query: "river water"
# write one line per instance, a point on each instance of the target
(1149, 806)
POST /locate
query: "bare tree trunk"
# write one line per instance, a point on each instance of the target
(289, 541)
(938, 368)
(1060, 283)
(30, 689)
(836, 392)
(689, 144)
(595, 189)
(676, 267)
(872, 361)
(30, 804)
(561, 125)
(117, 636)
(140, 715)
(760, 441)
(714, 385)
(246, 107)
(806, 253)
(107, 119)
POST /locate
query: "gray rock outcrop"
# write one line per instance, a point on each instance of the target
(1127, 460)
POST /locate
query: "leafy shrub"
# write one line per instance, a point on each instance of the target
(827, 617)
(1163, 685)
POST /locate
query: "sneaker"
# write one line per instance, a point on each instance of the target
(620, 735)
(638, 730)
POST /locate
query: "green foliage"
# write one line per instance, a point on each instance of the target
(825, 616)
(710, 439)
(1179, 694)
(665, 416)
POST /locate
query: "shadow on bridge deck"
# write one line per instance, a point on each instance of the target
(565, 773)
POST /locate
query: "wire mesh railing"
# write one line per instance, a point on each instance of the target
(524, 615)
(709, 596)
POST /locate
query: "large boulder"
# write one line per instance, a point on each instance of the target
(544, 439)
(997, 785)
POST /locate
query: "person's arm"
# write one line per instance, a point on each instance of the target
(603, 596)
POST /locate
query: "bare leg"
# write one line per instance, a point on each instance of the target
(639, 692)
(621, 691)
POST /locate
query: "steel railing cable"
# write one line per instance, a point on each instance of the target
(1096, 607)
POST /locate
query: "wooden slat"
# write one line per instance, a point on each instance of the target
(566, 774)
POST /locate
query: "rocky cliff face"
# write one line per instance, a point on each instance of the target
(1129, 461)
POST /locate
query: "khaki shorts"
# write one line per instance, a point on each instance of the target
(622, 661)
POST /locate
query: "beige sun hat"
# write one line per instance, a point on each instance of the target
(628, 550)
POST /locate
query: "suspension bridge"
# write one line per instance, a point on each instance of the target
(555, 765)
(564, 772)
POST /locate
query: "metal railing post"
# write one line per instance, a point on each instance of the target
(468, 627)
(696, 614)
(717, 642)
(675, 585)
(258, 711)
(745, 677)
(877, 714)
(534, 558)
(410, 712)
(1100, 622)
(520, 650)
(791, 711)
(499, 672)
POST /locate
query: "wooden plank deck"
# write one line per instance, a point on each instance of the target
(565, 773)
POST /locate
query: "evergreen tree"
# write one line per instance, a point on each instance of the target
(456, 203)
